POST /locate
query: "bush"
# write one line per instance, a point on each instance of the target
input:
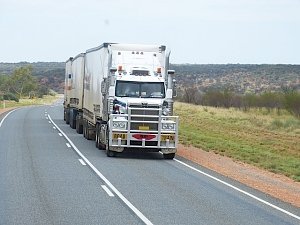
(292, 102)
(10, 96)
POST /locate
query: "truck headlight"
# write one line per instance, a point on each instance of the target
(165, 111)
(168, 126)
(119, 125)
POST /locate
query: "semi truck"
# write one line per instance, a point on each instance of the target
(127, 98)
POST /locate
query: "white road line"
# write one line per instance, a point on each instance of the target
(69, 146)
(6, 116)
(110, 194)
(54, 128)
(240, 190)
(82, 162)
(49, 121)
(112, 187)
(60, 134)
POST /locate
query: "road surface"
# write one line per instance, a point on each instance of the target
(49, 174)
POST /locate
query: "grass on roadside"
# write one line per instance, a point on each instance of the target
(267, 140)
(47, 99)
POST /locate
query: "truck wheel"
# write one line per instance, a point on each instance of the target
(84, 128)
(97, 139)
(109, 153)
(72, 119)
(169, 156)
(67, 116)
(79, 129)
(64, 114)
(79, 126)
(90, 133)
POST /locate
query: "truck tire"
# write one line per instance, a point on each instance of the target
(64, 114)
(67, 116)
(84, 128)
(88, 131)
(109, 153)
(79, 127)
(72, 119)
(97, 139)
(169, 156)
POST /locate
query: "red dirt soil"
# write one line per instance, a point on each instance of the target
(278, 186)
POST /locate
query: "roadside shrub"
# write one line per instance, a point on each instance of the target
(10, 96)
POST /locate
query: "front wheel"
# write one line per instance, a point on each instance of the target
(169, 156)
(109, 152)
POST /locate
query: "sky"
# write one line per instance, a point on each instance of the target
(196, 31)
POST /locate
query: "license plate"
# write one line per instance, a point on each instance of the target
(170, 137)
(144, 128)
(119, 135)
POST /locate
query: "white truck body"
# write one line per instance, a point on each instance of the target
(67, 89)
(96, 69)
(77, 75)
(127, 98)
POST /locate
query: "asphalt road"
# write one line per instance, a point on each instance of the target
(49, 174)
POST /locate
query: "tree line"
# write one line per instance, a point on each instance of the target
(288, 99)
(21, 83)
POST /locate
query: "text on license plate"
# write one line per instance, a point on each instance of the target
(170, 137)
(119, 135)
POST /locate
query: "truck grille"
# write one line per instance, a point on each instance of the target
(144, 117)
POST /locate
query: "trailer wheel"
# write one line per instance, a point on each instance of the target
(64, 114)
(72, 119)
(79, 127)
(84, 128)
(97, 139)
(67, 116)
(169, 156)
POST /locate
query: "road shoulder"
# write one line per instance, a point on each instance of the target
(278, 186)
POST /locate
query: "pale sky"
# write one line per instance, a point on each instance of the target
(197, 31)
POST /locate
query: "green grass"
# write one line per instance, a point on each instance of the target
(267, 140)
(47, 99)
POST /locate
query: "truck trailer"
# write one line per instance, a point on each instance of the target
(68, 71)
(127, 98)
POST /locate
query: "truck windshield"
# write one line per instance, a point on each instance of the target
(140, 90)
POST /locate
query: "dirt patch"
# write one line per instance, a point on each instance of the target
(278, 186)
(5, 110)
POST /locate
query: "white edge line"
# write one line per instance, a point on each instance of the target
(112, 187)
(82, 162)
(240, 190)
(69, 146)
(110, 194)
(60, 134)
(6, 116)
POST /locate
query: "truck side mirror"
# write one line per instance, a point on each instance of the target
(172, 82)
(174, 88)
